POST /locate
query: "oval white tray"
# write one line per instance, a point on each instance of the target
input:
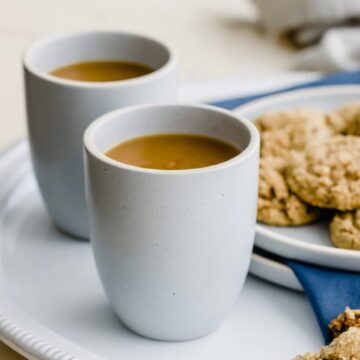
(52, 306)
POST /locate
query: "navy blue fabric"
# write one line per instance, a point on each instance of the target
(329, 291)
(344, 78)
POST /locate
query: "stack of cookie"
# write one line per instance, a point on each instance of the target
(310, 161)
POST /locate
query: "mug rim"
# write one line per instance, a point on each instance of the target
(167, 67)
(90, 147)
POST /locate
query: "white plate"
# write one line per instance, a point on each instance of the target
(310, 243)
(274, 272)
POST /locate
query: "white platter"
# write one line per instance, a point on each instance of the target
(310, 243)
(274, 272)
(52, 306)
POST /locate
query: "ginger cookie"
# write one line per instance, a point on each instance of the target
(277, 204)
(328, 174)
(291, 130)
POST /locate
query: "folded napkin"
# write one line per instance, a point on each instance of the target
(305, 14)
(330, 26)
(329, 291)
(338, 49)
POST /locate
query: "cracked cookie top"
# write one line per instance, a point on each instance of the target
(328, 174)
(291, 130)
(277, 204)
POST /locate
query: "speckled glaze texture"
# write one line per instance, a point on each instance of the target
(172, 247)
(59, 110)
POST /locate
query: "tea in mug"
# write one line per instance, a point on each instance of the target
(102, 71)
(173, 151)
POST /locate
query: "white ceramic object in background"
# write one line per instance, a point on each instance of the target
(59, 110)
(172, 247)
(310, 243)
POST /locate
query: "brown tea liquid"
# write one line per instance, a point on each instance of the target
(173, 151)
(102, 71)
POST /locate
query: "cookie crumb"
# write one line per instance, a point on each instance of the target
(344, 321)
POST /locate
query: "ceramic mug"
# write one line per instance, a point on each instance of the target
(172, 247)
(59, 110)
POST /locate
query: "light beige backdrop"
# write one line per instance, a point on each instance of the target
(215, 39)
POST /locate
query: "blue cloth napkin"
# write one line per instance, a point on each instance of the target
(343, 78)
(329, 291)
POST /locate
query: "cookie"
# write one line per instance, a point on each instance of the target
(345, 320)
(346, 119)
(345, 230)
(277, 204)
(344, 347)
(291, 130)
(328, 174)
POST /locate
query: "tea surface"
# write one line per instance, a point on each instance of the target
(102, 71)
(173, 151)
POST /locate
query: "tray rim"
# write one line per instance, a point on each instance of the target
(273, 272)
(18, 337)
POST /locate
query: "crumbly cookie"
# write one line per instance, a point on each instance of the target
(291, 130)
(345, 230)
(345, 321)
(345, 347)
(346, 119)
(328, 175)
(277, 205)
(309, 356)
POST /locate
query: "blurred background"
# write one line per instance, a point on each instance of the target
(215, 39)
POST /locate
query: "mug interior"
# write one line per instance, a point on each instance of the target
(118, 126)
(55, 52)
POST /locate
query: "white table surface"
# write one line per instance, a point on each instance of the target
(215, 40)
